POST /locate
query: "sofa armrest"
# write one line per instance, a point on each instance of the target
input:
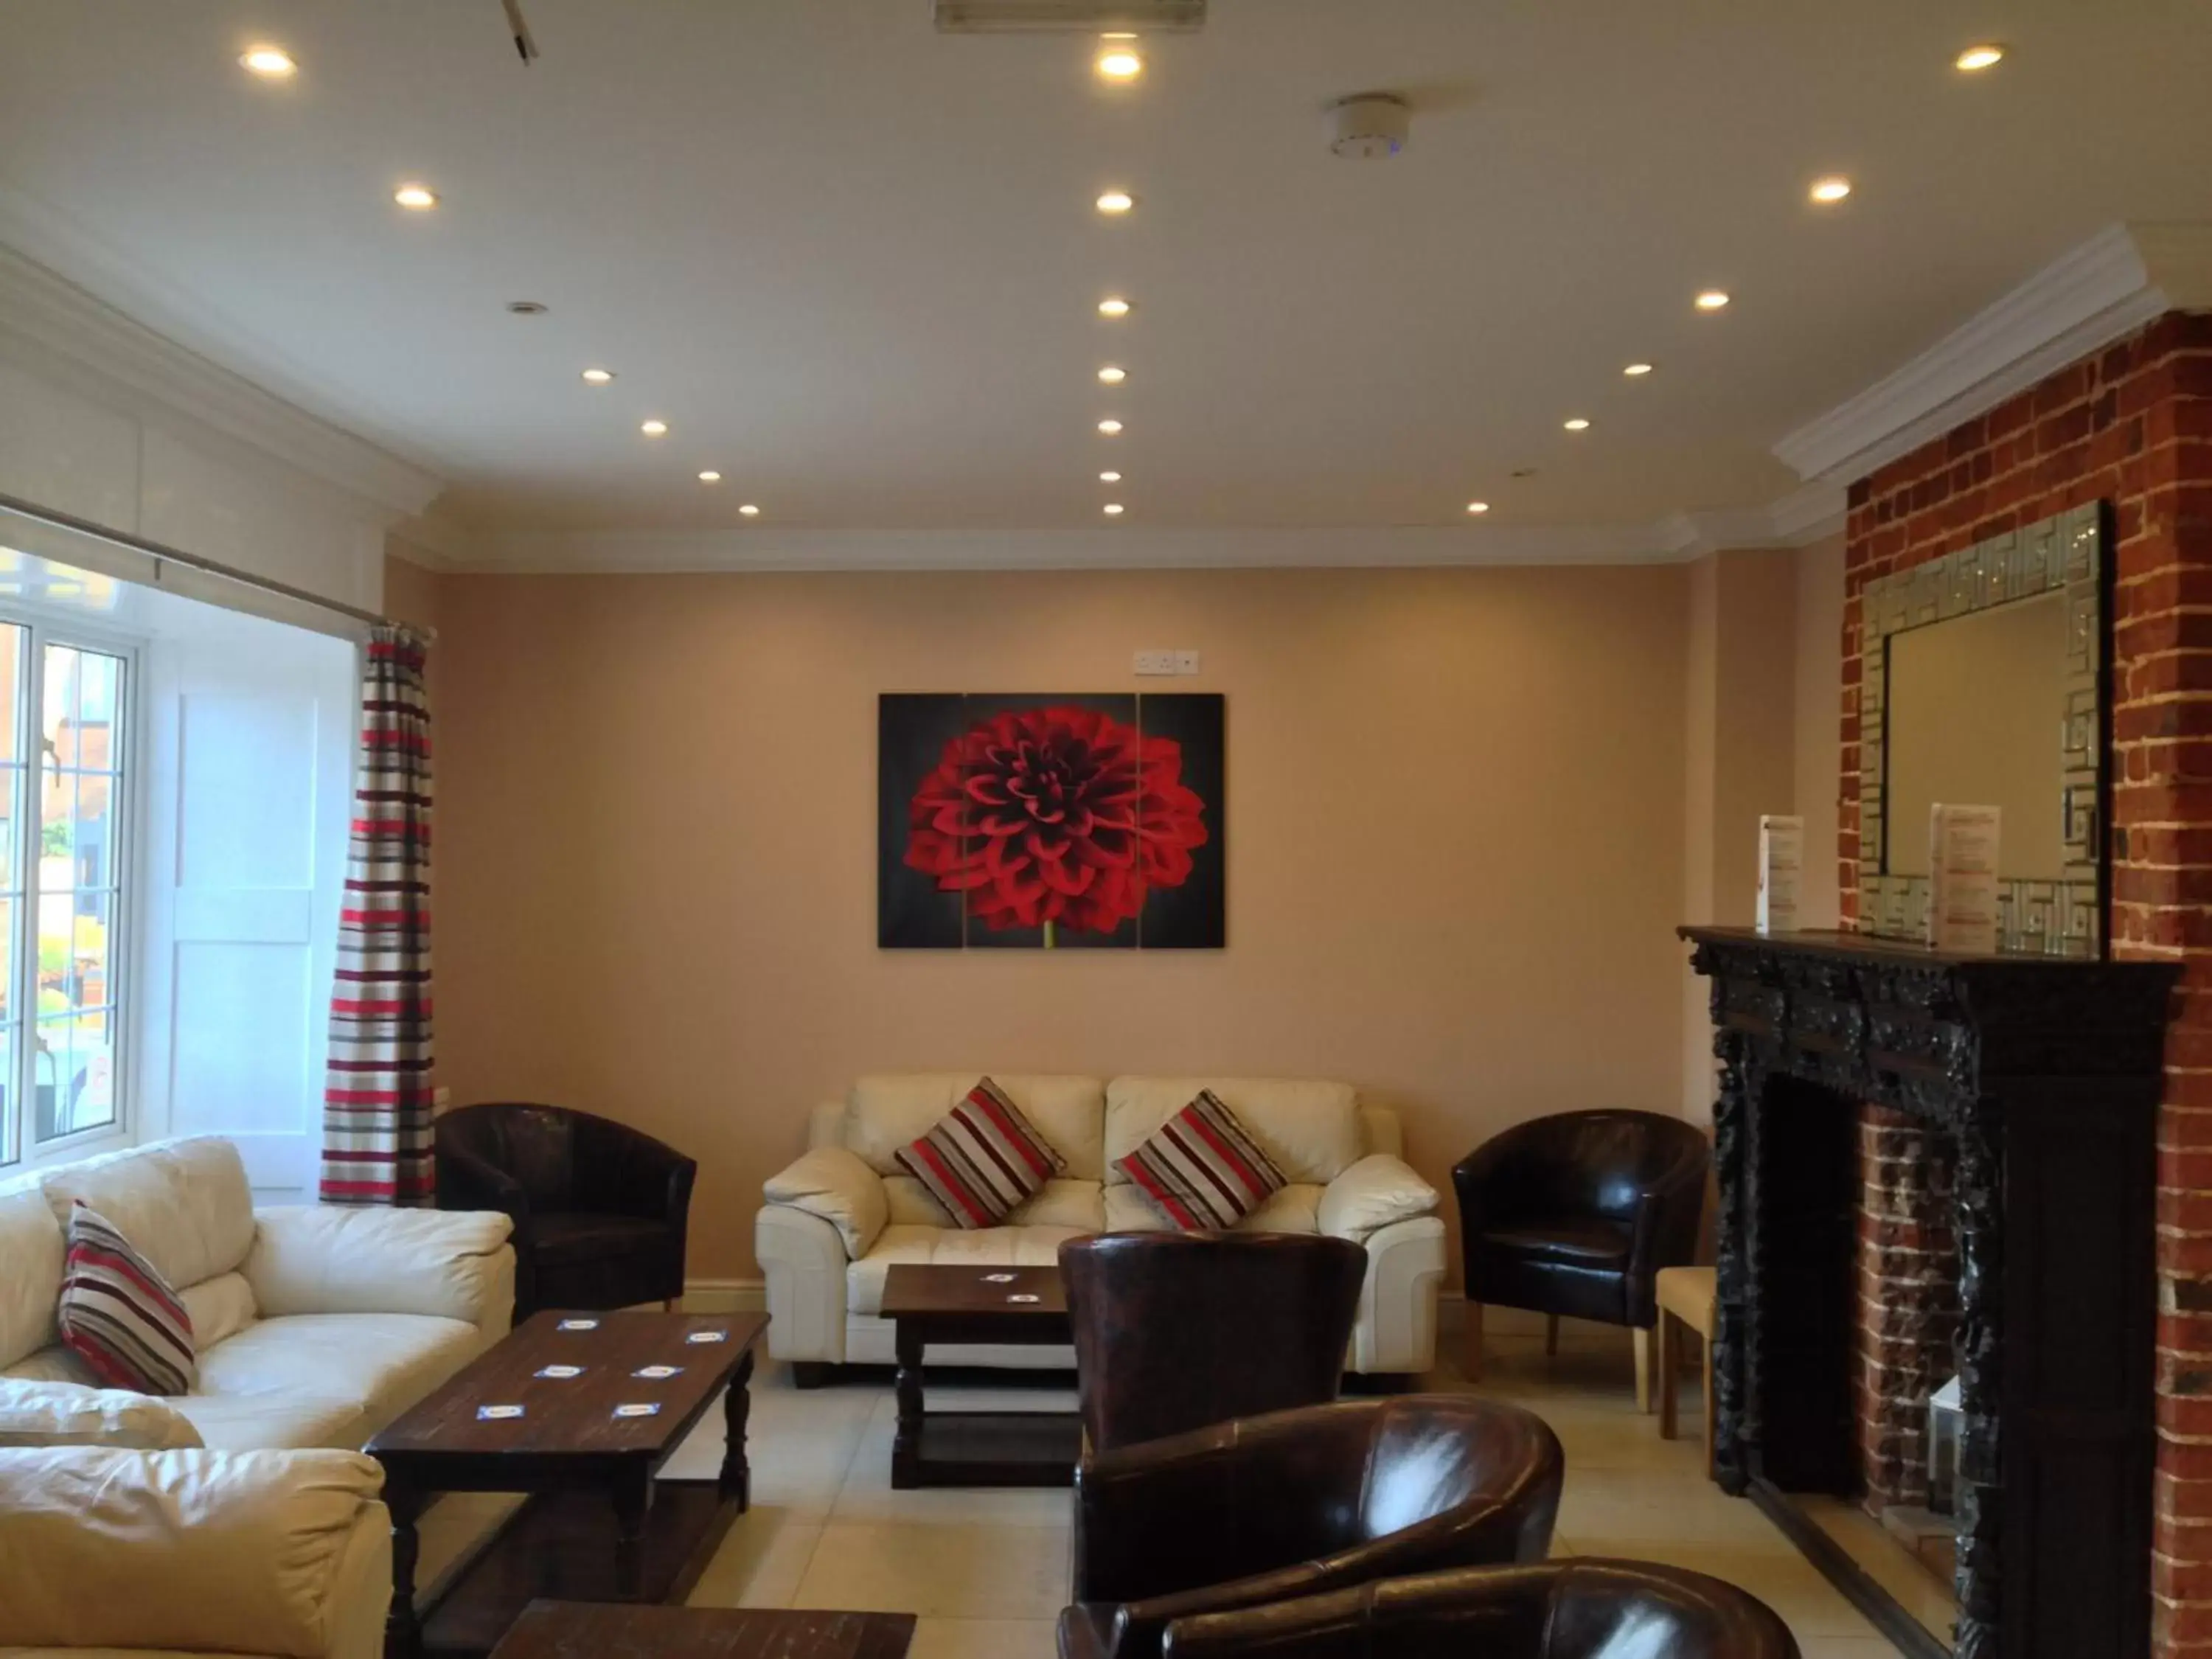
(1377, 1191)
(1396, 1331)
(260, 1553)
(837, 1186)
(803, 1258)
(329, 1258)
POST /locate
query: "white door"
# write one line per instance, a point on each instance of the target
(248, 789)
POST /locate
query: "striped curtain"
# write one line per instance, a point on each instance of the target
(377, 1147)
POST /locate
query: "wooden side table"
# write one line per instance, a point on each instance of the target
(1685, 1302)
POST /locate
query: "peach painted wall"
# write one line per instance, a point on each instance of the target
(1448, 794)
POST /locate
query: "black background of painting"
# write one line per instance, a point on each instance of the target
(1194, 916)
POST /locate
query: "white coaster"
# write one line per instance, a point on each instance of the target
(561, 1372)
(641, 1408)
(577, 1325)
(494, 1414)
(1021, 1297)
(708, 1336)
(656, 1373)
(997, 1278)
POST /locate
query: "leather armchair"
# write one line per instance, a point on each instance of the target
(1576, 1214)
(1174, 1331)
(1577, 1609)
(1299, 1503)
(600, 1210)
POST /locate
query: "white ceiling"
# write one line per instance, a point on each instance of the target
(853, 262)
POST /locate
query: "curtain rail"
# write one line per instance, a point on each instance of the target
(160, 552)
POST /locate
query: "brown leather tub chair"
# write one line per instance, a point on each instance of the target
(1576, 1215)
(1174, 1330)
(1579, 1609)
(600, 1210)
(1301, 1502)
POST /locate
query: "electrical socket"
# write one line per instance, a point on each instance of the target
(1186, 662)
(1155, 662)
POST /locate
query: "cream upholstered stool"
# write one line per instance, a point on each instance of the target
(1686, 1299)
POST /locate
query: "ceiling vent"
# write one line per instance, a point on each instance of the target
(1089, 17)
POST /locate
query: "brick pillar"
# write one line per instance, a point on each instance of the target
(1908, 1310)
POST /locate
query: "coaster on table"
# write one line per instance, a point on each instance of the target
(656, 1373)
(1018, 1298)
(997, 1278)
(639, 1408)
(708, 1336)
(496, 1413)
(560, 1372)
(577, 1325)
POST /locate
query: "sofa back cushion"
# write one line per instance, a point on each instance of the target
(30, 1274)
(886, 1112)
(1309, 1129)
(183, 1204)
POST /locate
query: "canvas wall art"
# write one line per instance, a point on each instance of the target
(1064, 822)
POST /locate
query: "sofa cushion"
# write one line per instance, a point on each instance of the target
(184, 1204)
(986, 1247)
(1375, 1193)
(30, 1273)
(1310, 1129)
(834, 1184)
(221, 1308)
(117, 1313)
(982, 1159)
(1061, 1203)
(279, 1422)
(65, 1414)
(381, 1362)
(1294, 1209)
(1202, 1168)
(886, 1112)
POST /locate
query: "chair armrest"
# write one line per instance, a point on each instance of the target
(327, 1258)
(839, 1187)
(1377, 1191)
(259, 1552)
(1474, 1178)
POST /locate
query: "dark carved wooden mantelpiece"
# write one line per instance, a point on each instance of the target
(2047, 1071)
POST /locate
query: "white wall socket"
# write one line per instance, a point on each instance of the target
(1155, 662)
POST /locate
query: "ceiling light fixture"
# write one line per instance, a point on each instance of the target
(1829, 190)
(1112, 375)
(749, 510)
(1578, 424)
(1478, 507)
(1634, 370)
(1987, 55)
(1112, 509)
(1111, 429)
(418, 198)
(269, 63)
(526, 307)
(1120, 61)
(1110, 477)
(1711, 300)
(653, 429)
(597, 376)
(710, 476)
(1116, 201)
(1114, 307)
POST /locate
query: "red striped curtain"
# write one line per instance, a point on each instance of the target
(377, 1145)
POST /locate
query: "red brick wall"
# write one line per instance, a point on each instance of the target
(1908, 1263)
(2131, 424)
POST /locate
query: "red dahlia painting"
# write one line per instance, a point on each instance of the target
(1069, 821)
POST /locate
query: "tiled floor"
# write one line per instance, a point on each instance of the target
(988, 1571)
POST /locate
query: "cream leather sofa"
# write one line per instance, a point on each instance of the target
(838, 1218)
(315, 1326)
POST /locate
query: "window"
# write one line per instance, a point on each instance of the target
(64, 755)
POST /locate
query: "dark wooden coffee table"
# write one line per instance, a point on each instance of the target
(928, 1304)
(577, 1630)
(599, 1526)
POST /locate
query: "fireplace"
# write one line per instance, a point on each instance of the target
(2019, 1095)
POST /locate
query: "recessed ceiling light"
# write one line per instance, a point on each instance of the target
(1578, 424)
(749, 510)
(1634, 369)
(1112, 509)
(1119, 62)
(528, 307)
(653, 429)
(269, 63)
(710, 476)
(1711, 300)
(1109, 427)
(1829, 190)
(1112, 375)
(1110, 477)
(420, 198)
(1115, 306)
(597, 376)
(1985, 56)
(1116, 201)
(1478, 507)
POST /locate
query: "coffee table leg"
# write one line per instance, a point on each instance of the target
(736, 1480)
(631, 1495)
(403, 1631)
(906, 1446)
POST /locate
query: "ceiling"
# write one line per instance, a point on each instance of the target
(853, 263)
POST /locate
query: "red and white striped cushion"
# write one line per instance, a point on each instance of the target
(983, 1159)
(1202, 1168)
(118, 1314)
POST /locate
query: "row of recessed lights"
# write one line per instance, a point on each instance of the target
(1118, 61)
(1824, 191)
(273, 63)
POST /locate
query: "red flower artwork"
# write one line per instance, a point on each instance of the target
(1055, 818)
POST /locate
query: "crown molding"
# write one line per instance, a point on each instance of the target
(2107, 287)
(150, 374)
(1804, 515)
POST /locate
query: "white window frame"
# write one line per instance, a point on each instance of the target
(19, 1150)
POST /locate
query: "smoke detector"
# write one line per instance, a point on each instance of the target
(1369, 126)
(1004, 17)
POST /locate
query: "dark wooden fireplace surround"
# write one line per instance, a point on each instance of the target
(2047, 1071)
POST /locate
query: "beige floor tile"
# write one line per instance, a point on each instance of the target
(866, 1494)
(953, 1571)
(761, 1563)
(984, 1638)
(1600, 1506)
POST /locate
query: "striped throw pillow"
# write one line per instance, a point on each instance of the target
(1202, 1168)
(983, 1159)
(118, 1314)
